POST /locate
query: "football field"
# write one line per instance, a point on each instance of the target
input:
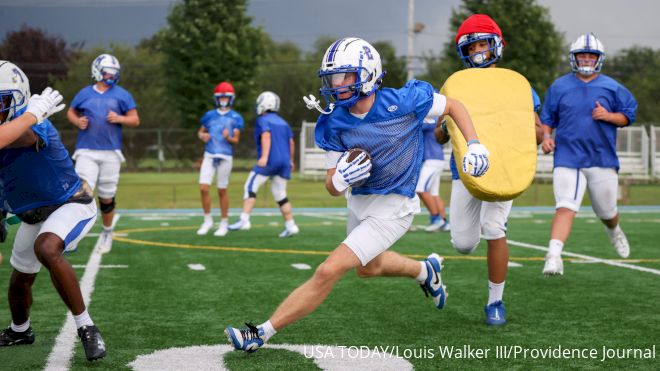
(163, 296)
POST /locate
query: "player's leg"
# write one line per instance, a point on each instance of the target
(205, 178)
(252, 184)
(223, 172)
(569, 186)
(494, 216)
(603, 186)
(465, 215)
(26, 266)
(424, 184)
(435, 193)
(301, 302)
(107, 189)
(278, 188)
(87, 168)
(62, 231)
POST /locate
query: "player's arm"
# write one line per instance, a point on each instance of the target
(265, 149)
(440, 131)
(457, 111)
(548, 143)
(77, 119)
(602, 114)
(329, 185)
(538, 127)
(16, 133)
(130, 119)
(475, 161)
(203, 134)
(292, 153)
(232, 139)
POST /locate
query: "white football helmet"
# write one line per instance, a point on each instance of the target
(587, 43)
(108, 65)
(350, 55)
(267, 101)
(14, 91)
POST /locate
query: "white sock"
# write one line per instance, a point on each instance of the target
(290, 224)
(20, 328)
(107, 229)
(245, 217)
(83, 319)
(423, 273)
(613, 231)
(495, 291)
(224, 221)
(555, 247)
(268, 330)
(208, 219)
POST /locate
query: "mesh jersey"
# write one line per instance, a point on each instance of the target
(31, 178)
(391, 133)
(215, 122)
(580, 140)
(279, 157)
(101, 134)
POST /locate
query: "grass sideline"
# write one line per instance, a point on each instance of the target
(181, 190)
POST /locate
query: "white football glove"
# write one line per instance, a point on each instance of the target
(45, 104)
(349, 173)
(477, 156)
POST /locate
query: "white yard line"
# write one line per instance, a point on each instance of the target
(587, 257)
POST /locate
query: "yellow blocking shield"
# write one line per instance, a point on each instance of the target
(500, 104)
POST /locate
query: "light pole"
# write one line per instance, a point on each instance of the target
(413, 28)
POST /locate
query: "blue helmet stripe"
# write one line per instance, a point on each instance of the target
(586, 40)
(333, 50)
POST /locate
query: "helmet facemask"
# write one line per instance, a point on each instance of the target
(227, 102)
(586, 69)
(479, 59)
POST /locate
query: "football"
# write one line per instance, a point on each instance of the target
(355, 152)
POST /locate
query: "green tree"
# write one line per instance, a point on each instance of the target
(206, 42)
(638, 69)
(533, 48)
(395, 66)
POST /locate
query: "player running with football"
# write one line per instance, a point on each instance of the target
(39, 184)
(386, 124)
(99, 111)
(275, 153)
(220, 130)
(585, 108)
(479, 43)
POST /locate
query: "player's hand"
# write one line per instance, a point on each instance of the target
(477, 156)
(349, 173)
(83, 122)
(205, 137)
(45, 104)
(113, 117)
(600, 113)
(225, 133)
(548, 145)
(293, 166)
(262, 161)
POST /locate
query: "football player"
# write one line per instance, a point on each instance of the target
(220, 130)
(99, 111)
(55, 207)
(386, 124)
(428, 184)
(275, 161)
(479, 43)
(585, 108)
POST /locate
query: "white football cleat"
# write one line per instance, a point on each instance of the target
(205, 228)
(288, 232)
(222, 230)
(105, 242)
(620, 242)
(240, 225)
(553, 265)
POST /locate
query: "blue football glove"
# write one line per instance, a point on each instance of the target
(349, 173)
(477, 156)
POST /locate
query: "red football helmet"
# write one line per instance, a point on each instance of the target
(224, 90)
(479, 27)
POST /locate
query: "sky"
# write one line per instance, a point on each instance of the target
(618, 24)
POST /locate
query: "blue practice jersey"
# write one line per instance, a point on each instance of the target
(101, 134)
(279, 157)
(580, 140)
(452, 162)
(391, 133)
(215, 123)
(432, 149)
(31, 177)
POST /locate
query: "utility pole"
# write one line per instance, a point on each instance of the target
(411, 34)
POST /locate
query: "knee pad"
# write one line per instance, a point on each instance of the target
(252, 195)
(107, 208)
(283, 201)
(465, 246)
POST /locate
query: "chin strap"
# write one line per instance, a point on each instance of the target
(312, 103)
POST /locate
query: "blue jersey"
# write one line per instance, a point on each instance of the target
(432, 149)
(391, 133)
(279, 157)
(452, 162)
(101, 134)
(215, 123)
(32, 178)
(580, 140)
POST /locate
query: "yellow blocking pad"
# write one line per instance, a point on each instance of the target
(500, 104)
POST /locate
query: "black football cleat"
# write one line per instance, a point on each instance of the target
(10, 337)
(92, 342)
